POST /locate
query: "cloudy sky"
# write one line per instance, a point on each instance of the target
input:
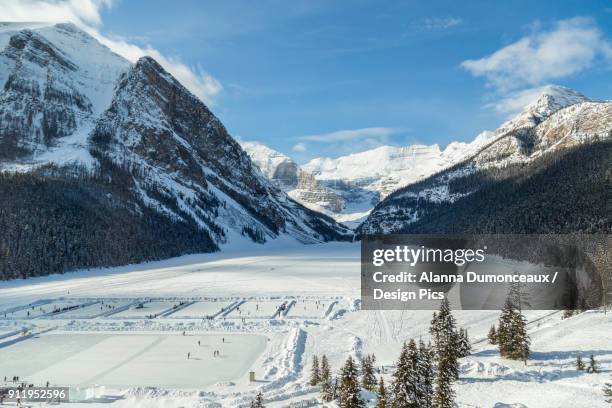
(326, 78)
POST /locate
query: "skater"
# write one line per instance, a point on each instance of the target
(223, 339)
(198, 343)
(188, 355)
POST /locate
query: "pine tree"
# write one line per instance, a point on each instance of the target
(608, 392)
(414, 384)
(426, 375)
(327, 386)
(400, 392)
(444, 395)
(258, 401)
(492, 335)
(414, 377)
(593, 366)
(382, 395)
(368, 379)
(445, 337)
(435, 329)
(349, 393)
(504, 331)
(315, 375)
(335, 388)
(519, 339)
(464, 346)
(579, 363)
(512, 338)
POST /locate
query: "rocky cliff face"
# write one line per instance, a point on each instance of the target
(69, 108)
(298, 183)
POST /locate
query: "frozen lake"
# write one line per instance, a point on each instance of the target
(126, 349)
(322, 270)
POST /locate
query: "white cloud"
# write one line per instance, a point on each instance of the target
(299, 147)
(571, 46)
(437, 23)
(514, 102)
(86, 14)
(371, 133)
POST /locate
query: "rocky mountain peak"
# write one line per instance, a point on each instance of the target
(552, 99)
(68, 102)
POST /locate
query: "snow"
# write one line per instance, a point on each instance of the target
(98, 69)
(152, 359)
(151, 308)
(362, 179)
(266, 159)
(256, 309)
(143, 362)
(203, 309)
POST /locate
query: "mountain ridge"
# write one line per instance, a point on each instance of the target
(362, 180)
(522, 148)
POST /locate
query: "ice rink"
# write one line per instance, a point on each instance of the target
(128, 360)
(202, 310)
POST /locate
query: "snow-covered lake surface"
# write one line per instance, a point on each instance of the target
(138, 356)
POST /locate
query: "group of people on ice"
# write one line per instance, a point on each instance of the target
(216, 353)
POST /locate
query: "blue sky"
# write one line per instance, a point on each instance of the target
(326, 78)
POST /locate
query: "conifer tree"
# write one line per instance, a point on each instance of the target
(464, 345)
(492, 336)
(593, 366)
(327, 386)
(512, 338)
(519, 339)
(434, 329)
(382, 395)
(444, 395)
(579, 363)
(413, 378)
(349, 395)
(258, 401)
(399, 387)
(335, 388)
(414, 384)
(315, 375)
(445, 337)
(504, 331)
(368, 379)
(426, 375)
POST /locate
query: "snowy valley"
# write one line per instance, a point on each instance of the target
(113, 352)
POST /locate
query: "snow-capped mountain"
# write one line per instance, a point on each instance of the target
(71, 107)
(521, 163)
(348, 187)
